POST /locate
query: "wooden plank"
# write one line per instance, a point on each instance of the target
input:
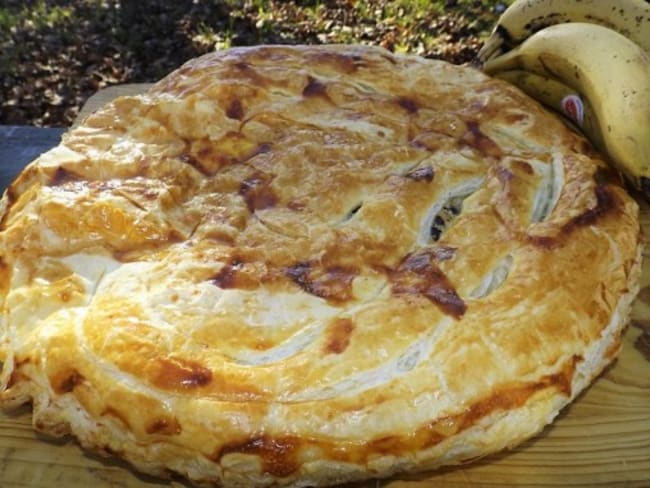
(601, 440)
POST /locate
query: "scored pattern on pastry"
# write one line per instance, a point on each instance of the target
(311, 263)
(446, 209)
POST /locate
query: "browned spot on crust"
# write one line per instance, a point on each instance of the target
(5, 277)
(523, 166)
(11, 194)
(257, 192)
(225, 278)
(408, 104)
(242, 66)
(425, 173)
(235, 110)
(164, 426)
(208, 152)
(479, 141)
(205, 152)
(246, 70)
(65, 382)
(5, 214)
(16, 375)
(604, 203)
(174, 235)
(315, 88)
(277, 455)
(246, 271)
(332, 283)
(62, 176)
(543, 241)
(417, 274)
(195, 163)
(179, 374)
(209, 157)
(15, 378)
(339, 336)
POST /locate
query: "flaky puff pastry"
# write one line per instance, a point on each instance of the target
(308, 265)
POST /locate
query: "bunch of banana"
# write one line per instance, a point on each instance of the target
(523, 18)
(591, 66)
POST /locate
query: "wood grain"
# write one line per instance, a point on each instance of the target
(601, 440)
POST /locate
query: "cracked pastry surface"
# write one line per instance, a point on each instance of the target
(308, 265)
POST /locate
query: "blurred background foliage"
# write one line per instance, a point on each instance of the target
(54, 54)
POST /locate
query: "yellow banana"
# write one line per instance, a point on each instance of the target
(613, 75)
(563, 99)
(525, 17)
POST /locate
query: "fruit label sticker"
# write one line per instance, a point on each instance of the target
(573, 108)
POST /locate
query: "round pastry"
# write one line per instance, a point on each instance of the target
(309, 265)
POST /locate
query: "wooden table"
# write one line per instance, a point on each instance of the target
(602, 439)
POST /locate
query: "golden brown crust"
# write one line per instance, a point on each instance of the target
(305, 265)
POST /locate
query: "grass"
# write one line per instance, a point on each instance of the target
(7, 19)
(38, 15)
